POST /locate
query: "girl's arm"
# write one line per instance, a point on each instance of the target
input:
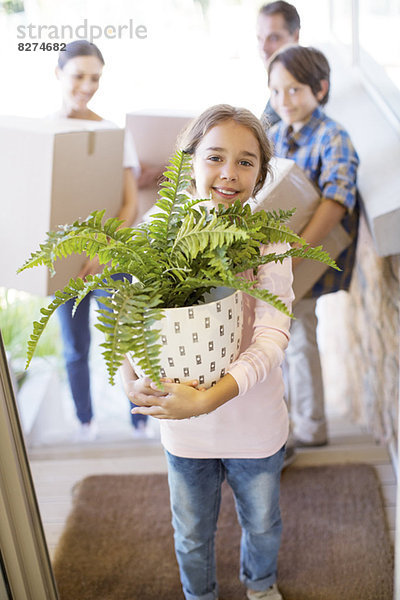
(270, 329)
(175, 401)
(181, 401)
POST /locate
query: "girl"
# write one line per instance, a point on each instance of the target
(242, 422)
(79, 70)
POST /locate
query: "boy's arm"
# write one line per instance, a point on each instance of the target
(328, 214)
(337, 183)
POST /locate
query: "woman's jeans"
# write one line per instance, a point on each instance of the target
(75, 332)
(195, 493)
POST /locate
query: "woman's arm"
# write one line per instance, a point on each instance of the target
(129, 206)
(127, 213)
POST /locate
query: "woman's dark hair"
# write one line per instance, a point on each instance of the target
(79, 48)
(288, 12)
(307, 65)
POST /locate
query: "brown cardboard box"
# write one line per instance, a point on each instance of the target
(52, 172)
(155, 137)
(288, 188)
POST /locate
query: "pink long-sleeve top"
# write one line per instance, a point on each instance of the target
(255, 423)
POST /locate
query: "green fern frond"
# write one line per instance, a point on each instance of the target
(238, 283)
(272, 232)
(46, 254)
(317, 253)
(100, 281)
(132, 310)
(248, 287)
(106, 242)
(147, 344)
(69, 292)
(281, 216)
(306, 252)
(180, 253)
(171, 196)
(194, 237)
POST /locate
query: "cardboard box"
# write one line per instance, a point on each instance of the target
(155, 136)
(289, 187)
(52, 172)
(309, 271)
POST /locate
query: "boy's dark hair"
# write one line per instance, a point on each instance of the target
(79, 48)
(288, 12)
(307, 65)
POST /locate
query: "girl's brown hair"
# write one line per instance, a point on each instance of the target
(197, 129)
(308, 65)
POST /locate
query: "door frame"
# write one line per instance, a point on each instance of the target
(23, 548)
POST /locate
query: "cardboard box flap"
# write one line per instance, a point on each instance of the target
(52, 125)
(155, 134)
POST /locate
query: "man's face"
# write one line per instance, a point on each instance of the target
(272, 34)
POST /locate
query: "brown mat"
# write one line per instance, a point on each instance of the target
(118, 544)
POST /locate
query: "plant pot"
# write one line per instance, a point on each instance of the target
(200, 341)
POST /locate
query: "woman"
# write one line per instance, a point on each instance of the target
(79, 70)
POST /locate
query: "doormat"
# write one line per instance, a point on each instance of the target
(118, 541)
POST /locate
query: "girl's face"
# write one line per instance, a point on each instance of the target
(293, 101)
(227, 164)
(79, 81)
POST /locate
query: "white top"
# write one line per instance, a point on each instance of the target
(131, 159)
(255, 423)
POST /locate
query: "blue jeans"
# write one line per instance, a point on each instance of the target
(195, 494)
(75, 333)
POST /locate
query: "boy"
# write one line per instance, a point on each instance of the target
(299, 82)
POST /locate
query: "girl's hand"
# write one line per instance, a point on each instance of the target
(176, 401)
(139, 389)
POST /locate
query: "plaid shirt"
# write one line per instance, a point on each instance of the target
(323, 149)
(269, 116)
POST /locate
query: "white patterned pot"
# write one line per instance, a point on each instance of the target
(200, 341)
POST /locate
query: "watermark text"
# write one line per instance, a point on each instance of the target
(84, 31)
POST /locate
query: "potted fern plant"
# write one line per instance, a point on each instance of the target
(181, 254)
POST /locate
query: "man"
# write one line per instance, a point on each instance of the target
(278, 24)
